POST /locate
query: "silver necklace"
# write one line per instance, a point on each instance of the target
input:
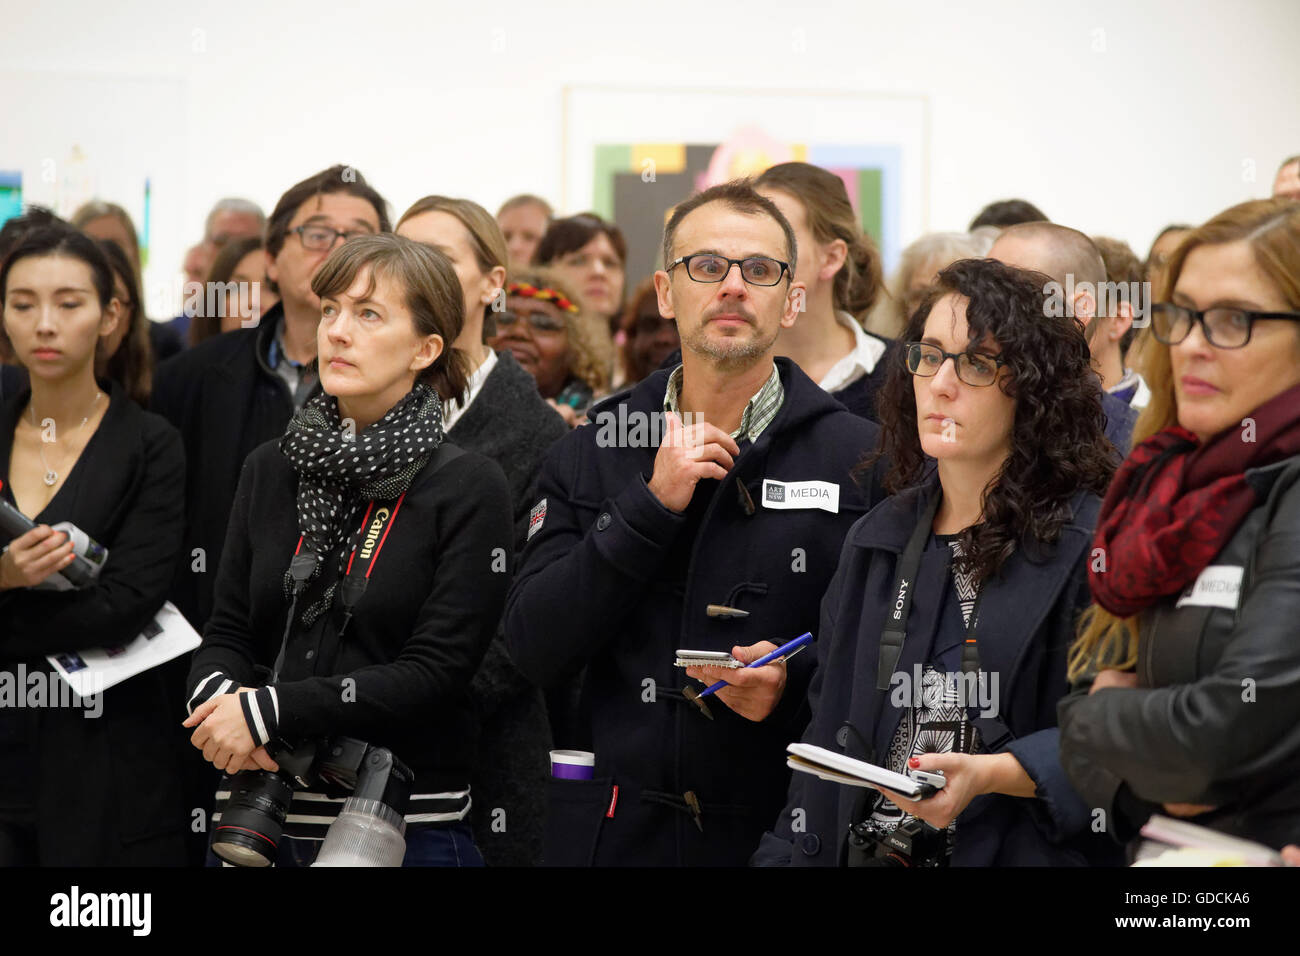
(52, 476)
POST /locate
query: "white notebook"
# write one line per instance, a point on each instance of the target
(838, 768)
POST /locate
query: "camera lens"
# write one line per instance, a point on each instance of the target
(253, 820)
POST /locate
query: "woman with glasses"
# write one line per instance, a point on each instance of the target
(550, 335)
(1187, 699)
(943, 632)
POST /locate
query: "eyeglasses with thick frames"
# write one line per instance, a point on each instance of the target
(1223, 327)
(318, 238)
(707, 267)
(973, 368)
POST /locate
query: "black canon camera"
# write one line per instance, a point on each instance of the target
(914, 843)
(377, 783)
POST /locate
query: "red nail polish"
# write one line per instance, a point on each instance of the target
(914, 762)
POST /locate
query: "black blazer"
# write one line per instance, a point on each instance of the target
(225, 401)
(105, 790)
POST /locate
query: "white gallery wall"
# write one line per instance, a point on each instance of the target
(1114, 116)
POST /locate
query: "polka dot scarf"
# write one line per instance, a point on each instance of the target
(339, 471)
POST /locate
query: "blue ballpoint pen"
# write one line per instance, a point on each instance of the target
(786, 650)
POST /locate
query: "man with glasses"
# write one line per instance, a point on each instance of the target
(231, 393)
(1072, 260)
(703, 510)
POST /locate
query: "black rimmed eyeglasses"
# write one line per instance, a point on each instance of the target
(709, 267)
(973, 368)
(1223, 327)
(317, 238)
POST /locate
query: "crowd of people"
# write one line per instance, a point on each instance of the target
(459, 487)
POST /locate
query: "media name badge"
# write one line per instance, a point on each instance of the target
(785, 495)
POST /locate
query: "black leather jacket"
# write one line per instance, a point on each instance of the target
(1215, 718)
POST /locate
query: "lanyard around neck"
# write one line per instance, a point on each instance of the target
(894, 633)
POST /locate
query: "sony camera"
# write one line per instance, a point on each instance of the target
(914, 843)
(369, 831)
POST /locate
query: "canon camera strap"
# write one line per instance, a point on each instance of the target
(367, 543)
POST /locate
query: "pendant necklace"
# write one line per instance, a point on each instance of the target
(52, 476)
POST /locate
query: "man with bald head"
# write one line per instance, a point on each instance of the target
(1073, 261)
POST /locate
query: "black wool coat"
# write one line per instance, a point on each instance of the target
(105, 789)
(615, 582)
(510, 423)
(1027, 620)
(225, 401)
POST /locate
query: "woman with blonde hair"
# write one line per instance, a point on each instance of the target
(1187, 671)
(840, 268)
(502, 417)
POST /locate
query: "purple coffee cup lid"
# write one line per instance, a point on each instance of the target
(573, 764)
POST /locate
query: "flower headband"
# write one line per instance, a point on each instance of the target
(548, 294)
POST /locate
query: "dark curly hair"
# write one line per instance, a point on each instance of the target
(1058, 443)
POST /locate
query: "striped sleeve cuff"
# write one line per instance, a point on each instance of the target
(211, 686)
(261, 713)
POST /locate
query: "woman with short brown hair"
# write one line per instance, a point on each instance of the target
(370, 447)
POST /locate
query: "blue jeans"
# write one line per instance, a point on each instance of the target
(425, 846)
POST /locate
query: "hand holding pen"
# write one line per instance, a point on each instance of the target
(752, 691)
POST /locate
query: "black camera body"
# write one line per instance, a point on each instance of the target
(253, 820)
(914, 843)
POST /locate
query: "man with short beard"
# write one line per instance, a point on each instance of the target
(715, 528)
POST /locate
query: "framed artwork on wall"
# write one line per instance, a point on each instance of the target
(631, 154)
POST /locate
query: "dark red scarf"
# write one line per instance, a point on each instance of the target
(1174, 504)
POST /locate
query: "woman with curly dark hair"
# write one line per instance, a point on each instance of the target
(942, 645)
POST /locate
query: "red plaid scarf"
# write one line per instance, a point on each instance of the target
(1174, 504)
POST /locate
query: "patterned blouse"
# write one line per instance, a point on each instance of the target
(941, 720)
